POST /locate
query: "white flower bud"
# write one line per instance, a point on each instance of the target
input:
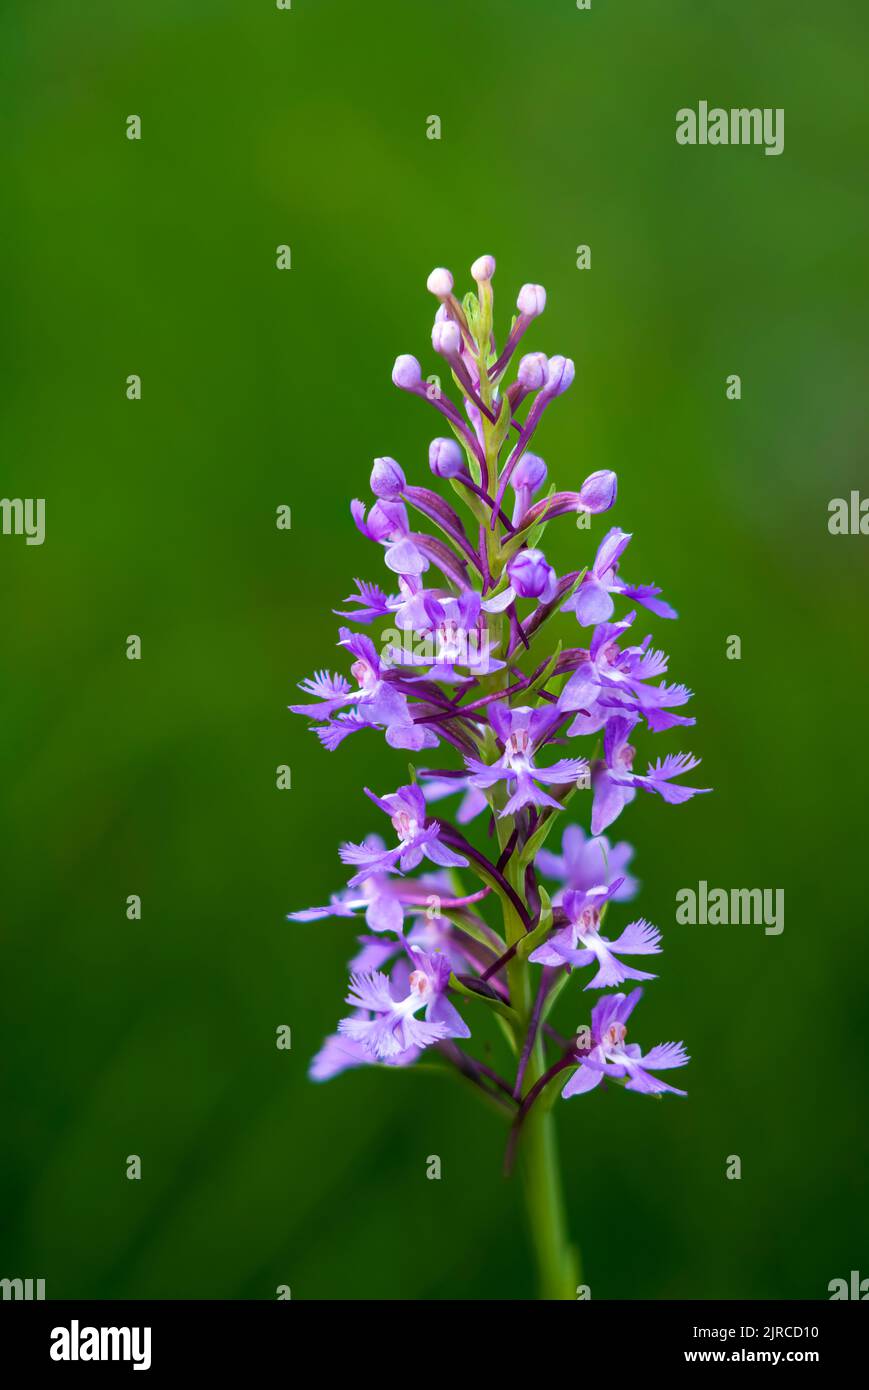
(446, 338)
(531, 301)
(533, 370)
(445, 458)
(483, 268)
(407, 372)
(560, 375)
(440, 282)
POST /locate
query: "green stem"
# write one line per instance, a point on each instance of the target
(557, 1261)
(558, 1268)
(558, 1265)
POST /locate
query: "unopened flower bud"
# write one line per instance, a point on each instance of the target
(440, 283)
(529, 474)
(598, 492)
(533, 370)
(445, 458)
(560, 375)
(446, 338)
(407, 372)
(387, 479)
(483, 268)
(531, 574)
(531, 301)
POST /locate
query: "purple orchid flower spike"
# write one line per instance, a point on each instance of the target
(418, 839)
(392, 1026)
(521, 731)
(611, 1056)
(461, 656)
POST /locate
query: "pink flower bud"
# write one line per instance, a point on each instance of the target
(598, 492)
(533, 370)
(387, 479)
(446, 338)
(445, 458)
(531, 301)
(483, 268)
(440, 283)
(529, 474)
(559, 376)
(407, 372)
(531, 574)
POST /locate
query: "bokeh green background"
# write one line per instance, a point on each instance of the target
(261, 387)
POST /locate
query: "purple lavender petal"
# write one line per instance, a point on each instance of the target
(584, 1079)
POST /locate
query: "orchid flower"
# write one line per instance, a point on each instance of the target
(459, 662)
(612, 1056)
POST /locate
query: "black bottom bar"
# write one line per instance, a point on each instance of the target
(160, 1338)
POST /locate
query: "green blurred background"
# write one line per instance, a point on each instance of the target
(260, 387)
